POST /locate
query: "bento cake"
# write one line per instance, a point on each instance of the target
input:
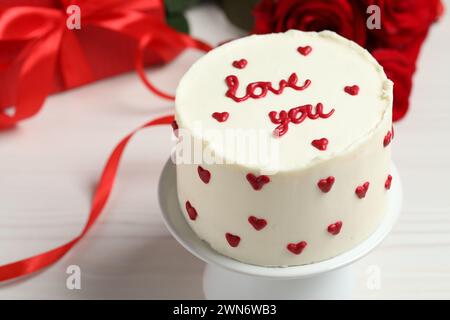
(322, 106)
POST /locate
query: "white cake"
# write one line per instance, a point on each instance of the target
(314, 183)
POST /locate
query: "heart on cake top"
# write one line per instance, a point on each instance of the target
(352, 90)
(220, 116)
(240, 64)
(304, 50)
(320, 144)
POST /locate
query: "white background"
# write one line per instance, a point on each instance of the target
(50, 164)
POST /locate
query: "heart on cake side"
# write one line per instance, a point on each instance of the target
(362, 190)
(387, 183)
(257, 182)
(192, 213)
(257, 223)
(297, 248)
(335, 228)
(233, 240)
(204, 174)
(387, 139)
(326, 184)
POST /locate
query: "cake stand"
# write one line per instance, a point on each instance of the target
(226, 278)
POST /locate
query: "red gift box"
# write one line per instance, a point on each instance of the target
(40, 54)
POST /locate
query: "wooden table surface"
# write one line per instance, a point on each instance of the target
(50, 164)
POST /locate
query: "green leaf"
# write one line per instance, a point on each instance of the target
(178, 21)
(239, 12)
(178, 6)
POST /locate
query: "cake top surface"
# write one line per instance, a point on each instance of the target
(294, 99)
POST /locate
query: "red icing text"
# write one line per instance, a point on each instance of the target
(296, 115)
(259, 89)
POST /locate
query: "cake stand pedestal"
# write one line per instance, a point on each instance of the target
(226, 278)
(219, 283)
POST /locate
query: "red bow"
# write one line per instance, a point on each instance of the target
(39, 54)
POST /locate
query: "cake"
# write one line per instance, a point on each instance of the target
(305, 175)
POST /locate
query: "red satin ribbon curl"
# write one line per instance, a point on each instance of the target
(139, 66)
(101, 195)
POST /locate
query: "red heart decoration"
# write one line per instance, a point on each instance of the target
(361, 190)
(387, 139)
(257, 223)
(304, 50)
(335, 228)
(220, 116)
(204, 174)
(352, 90)
(232, 239)
(240, 64)
(388, 182)
(320, 144)
(257, 182)
(192, 213)
(326, 184)
(297, 248)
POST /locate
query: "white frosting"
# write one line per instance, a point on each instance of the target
(292, 204)
(333, 64)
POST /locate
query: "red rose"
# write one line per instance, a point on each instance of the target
(341, 16)
(399, 68)
(403, 21)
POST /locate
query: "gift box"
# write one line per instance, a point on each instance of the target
(43, 51)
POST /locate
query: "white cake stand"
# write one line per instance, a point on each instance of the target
(226, 278)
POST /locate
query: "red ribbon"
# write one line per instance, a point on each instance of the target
(40, 55)
(43, 43)
(101, 195)
(139, 66)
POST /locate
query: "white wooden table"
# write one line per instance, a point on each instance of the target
(49, 166)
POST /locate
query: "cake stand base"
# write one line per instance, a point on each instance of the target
(226, 278)
(221, 284)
